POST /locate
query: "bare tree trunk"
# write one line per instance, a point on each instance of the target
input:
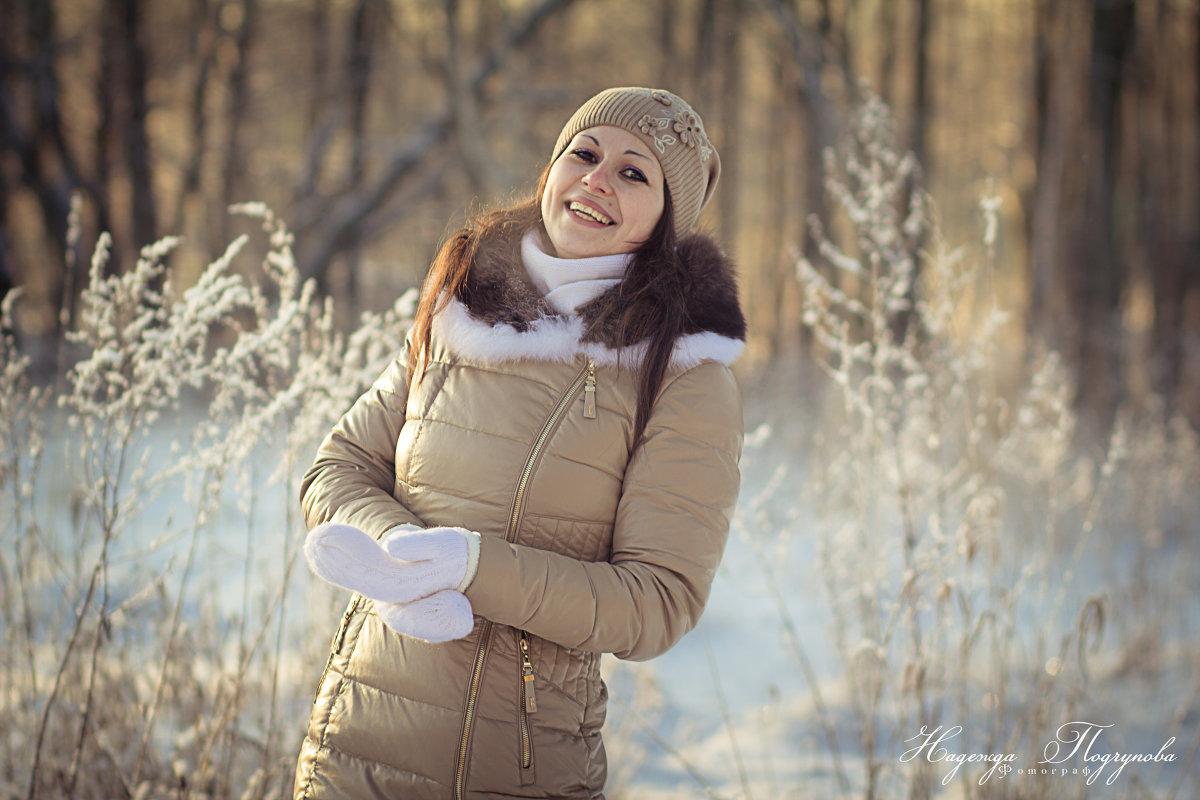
(358, 80)
(464, 107)
(668, 69)
(1097, 277)
(1050, 133)
(364, 25)
(239, 102)
(1190, 382)
(48, 125)
(6, 281)
(48, 165)
(144, 222)
(702, 72)
(1167, 200)
(819, 116)
(319, 42)
(838, 45)
(777, 269)
(8, 27)
(204, 40)
(105, 137)
(323, 120)
(731, 119)
(885, 34)
(917, 136)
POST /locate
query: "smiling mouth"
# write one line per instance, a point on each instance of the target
(587, 212)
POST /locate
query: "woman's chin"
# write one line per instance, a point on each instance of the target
(583, 243)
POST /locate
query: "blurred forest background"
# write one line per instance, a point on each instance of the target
(947, 523)
(372, 126)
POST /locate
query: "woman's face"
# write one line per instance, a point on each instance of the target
(603, 195)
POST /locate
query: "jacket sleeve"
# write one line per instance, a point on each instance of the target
(668, 537)
(353, 477)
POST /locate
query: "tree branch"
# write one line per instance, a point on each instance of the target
(343, 225)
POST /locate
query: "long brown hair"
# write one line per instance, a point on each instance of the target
(650, 306)
(450, 266)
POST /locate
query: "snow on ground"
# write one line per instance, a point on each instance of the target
(730, 709)
(769, 741)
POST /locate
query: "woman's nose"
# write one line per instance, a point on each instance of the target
(597, 180)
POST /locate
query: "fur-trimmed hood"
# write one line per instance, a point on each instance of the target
(499, 314)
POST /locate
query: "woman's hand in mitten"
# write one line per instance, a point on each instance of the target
(441, 617)
(345, 556)
(434, 545)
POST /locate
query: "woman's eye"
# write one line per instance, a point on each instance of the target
(584, 154)
(634, 174)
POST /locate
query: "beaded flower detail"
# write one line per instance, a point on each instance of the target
(688, 128)
(684, 127)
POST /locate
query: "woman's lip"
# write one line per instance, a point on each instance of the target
(591, 205)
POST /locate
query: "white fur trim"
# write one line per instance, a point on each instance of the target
(558, 339)
(694, 348)
(548, 339)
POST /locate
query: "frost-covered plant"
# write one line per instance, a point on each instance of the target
(129, 672)
(22, 443)
(933, 568)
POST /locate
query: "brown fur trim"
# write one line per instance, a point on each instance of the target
(710, 289)
(498, 291)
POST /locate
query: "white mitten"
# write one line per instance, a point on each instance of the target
(441, 617)
(416, 545)
(346, 556)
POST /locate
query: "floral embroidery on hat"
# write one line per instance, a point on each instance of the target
(652, 125)
(660, 97)
(688, 128)
(684, 127)
(661, 142)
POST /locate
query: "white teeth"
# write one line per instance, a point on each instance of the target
(580, 208)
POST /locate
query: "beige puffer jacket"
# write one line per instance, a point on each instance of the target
(522, 432)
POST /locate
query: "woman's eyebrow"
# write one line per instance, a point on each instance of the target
(627, 152)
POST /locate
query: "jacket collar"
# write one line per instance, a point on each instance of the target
(499, 315)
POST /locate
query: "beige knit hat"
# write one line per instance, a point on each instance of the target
(671, 128)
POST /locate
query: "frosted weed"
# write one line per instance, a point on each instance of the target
(964, 530)
(127, 668)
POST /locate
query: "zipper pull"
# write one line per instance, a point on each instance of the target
(589, 391)
(527, 677)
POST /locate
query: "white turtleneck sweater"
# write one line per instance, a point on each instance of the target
(568, 283)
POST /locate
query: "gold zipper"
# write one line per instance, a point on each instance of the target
(339, 638)
(535, 452)
(528, 703)
(510, 534)
(589, 391)
(468, 716)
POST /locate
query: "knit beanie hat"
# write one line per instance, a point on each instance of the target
(671, 128)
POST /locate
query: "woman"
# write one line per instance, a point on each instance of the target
(549, 469)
